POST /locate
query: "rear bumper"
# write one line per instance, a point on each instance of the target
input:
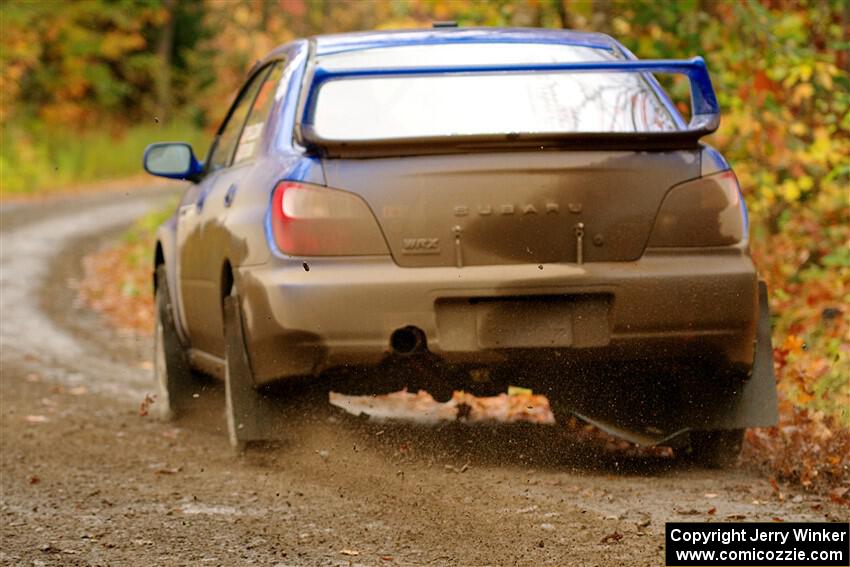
(344, 311)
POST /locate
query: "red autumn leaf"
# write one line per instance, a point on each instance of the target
(612, 537)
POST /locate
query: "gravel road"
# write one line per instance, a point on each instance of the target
(87, 481)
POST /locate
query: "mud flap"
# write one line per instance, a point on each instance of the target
(250, 414)
(753, 403)
(644, 439)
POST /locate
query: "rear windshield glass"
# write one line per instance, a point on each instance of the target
(412, 107)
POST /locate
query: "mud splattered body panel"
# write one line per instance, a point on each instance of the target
(517, 207)
(564, 250)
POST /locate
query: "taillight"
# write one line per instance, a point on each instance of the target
(708, 211)
(308, 220)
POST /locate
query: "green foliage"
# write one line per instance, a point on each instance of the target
(785, 96)
(44, 158)
(138, 245)
(75, 63)
(87, 86)
(144, 228)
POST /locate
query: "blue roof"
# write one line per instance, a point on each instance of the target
(337, 43)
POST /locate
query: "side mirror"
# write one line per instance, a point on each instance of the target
(174, 160)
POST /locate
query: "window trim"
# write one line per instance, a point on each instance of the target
(264, 137)
(264, 69)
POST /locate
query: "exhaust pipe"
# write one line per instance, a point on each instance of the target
(408, 340)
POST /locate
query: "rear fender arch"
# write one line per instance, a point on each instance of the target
(227, 281)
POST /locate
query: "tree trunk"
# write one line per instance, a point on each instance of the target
(603, 15)
(561, 7)
(163, 75)
(844, 54)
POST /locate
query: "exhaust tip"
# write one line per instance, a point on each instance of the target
(407, 340)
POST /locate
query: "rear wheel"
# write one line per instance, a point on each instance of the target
(175, 382)
(249, 413)
(716, 449)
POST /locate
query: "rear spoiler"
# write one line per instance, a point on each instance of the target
(705, 112)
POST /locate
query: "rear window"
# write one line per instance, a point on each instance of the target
(374, 108)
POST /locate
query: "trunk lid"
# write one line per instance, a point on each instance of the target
(515, 207)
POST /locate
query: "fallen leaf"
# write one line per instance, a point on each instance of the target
(48, 548)
(462, 469)
(615, 537)
(840, 495)
(793, 344)
(775, 486)
(164, 470)
(34, 479)
(146, 404)
(519, 391)
(712, 511)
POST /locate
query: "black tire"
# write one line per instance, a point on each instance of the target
(250, 414)
(717, 449)
(174, 378)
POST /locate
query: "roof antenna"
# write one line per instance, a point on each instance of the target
(444, 24)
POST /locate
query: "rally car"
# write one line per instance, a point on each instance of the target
(512, 204)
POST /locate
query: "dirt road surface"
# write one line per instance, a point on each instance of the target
(87, 481)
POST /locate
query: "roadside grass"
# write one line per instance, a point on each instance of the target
(37, 159)
(117, 280)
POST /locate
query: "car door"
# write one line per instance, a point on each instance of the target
(187, 238)
(200, 211)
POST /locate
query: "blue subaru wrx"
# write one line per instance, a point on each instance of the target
(463, 209)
